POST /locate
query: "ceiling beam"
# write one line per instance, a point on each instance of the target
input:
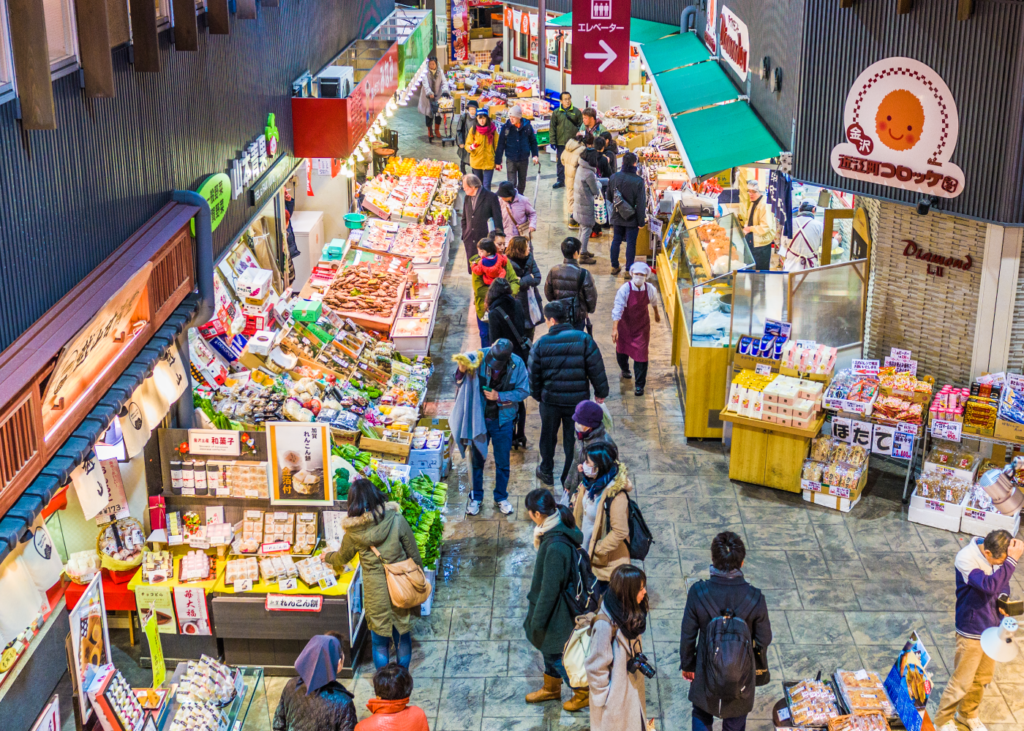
(964, 9)
(904, 6)
(32, 63)
(186, 26)
(94, 48)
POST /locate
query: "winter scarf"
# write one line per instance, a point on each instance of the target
(550, 522)
(491, 271)
(617, 613)
(489, 131)
(597, 484)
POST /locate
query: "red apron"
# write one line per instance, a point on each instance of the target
(635, 326)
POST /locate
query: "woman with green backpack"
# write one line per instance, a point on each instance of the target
(550, 620)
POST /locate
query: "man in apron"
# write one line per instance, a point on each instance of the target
(631, 323)
(801, 252)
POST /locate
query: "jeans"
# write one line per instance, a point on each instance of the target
(485, 333)
(485, 176)
(584, 237)
(550, 419)
(702, 721)
(382, 645)
(517, 171)
(553, 666)
(629, 233)
(500, 438)
(639, 368)
(559, 167)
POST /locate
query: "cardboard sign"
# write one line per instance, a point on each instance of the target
(948, 430)
(294, 603)
(902, 365)
(882, 439)
(861, 434)
(897, 354)
(600, 41)
(49, 719)
(276, 547)
(763, 369)
(810, 485)
(841, 429)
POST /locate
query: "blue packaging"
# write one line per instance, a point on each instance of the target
(779, 342)
(767, 347)
(745, 344)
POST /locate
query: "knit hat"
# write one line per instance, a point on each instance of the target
(588, 414)
(516, 111)
(483, 111)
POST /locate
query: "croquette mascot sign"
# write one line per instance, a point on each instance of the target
(901, 128)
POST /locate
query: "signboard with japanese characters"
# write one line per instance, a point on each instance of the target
(190, 606)
(299, 461)
(948, 430)
(294, 603)
(901, 126)
(601, 40)
(214, 441)
(735, 43)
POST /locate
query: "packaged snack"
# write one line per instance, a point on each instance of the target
(240, 570)
(821, 448)
(811, 703)
(857, 456)
(812, 471)
(864, 691)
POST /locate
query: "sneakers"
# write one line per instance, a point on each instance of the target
(594, 234)
(505, 507)
(638, 391)
(974, 724)
(949, 726)
(547, 479)
(627, 375)
(558, 185)
(473, 507)
(573, 225)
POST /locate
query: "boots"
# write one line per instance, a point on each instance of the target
(552, 691)
(580, 700)
(437, 130)
(430, 134)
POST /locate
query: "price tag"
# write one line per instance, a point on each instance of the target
(223, 492)
(287, 584)
(866, 367)
(896, 354)
(905, 428)
(839, 491)
(783, 714)
(188, 491)
(806, 344)
(948, 430)
(252, 493)
(862, 674)
(1015, 382)
(328, 582)
(975, 513)
(276, 547)
(810, 485)
(902, 366)
(243, 585)
(937, 506)
(902, 445)
(763, 369)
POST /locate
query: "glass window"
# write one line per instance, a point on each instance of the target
(522, 45)
(552, 56)
(567, 59)
(61, 35)
(6, 60)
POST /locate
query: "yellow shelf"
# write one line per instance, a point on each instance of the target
(808, 433)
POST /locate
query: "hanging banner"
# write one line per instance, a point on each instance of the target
(117, 501)
(601, 37)
(709, 27)
(509, 17)
(90, 487)
(735, 43)
(901, 125)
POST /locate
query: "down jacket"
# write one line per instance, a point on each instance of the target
(585, 194)
(564, 364)
(329, 708)
(393, 537)
(563, 282)
(393, 716)
(570, 157)
(607, 548)
(516, 143)
(631, 187)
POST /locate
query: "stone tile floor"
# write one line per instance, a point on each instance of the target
(844, 590)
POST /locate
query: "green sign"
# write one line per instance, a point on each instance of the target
(216, 189)
(415, 50)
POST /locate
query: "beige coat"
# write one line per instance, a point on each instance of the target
(570, 158)
(618, 699)
(608, 549)
(762, 223)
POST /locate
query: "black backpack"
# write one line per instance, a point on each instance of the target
(640, 538)
(725, 656)
(623, 207)
(579, 592)
(572, 305)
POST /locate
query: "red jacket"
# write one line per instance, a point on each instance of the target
(393, 716)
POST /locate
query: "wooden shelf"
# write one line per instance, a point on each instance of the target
(811, 431)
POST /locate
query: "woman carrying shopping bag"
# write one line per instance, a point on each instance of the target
(518, 217)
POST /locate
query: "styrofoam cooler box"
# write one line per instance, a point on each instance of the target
(965, 475)
(433, 474)
(428, 458)
(426, 606)
(935, 513)
(982, 522)
(842, 504)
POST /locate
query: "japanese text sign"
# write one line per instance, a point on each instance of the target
(949, 430)
(293, 603)
(214, 441)
(901, 126)
(190, 606)
(600, 41)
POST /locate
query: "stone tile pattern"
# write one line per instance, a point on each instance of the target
(844, 590)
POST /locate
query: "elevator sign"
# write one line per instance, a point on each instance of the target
(600, 42)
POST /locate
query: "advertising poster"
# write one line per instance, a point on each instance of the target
(299, 463)
(190, 605)
(157, 599)
(90, 639)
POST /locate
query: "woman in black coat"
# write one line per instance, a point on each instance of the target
(315, 700)
(505, 320)
(520, 253)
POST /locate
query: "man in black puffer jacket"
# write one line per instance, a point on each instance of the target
(567, 280)
(564, 364)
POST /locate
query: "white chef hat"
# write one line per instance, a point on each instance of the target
(640, 268)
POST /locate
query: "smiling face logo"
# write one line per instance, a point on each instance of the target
(899, 120)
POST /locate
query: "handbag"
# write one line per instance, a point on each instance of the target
(600, 210)
(524, 343)
(762, 675)
(536, 309)
(407, 584)
(522, 228)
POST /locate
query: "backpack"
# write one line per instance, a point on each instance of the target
(579, 592)
(622, 206)
(725, 656)
(572, 304)
(640, 538)
(577, 648)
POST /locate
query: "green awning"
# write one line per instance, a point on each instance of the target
(675, 51)
(640, 31)
(723, 136)
(694, 87)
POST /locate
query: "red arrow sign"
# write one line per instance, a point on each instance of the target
(600, 41)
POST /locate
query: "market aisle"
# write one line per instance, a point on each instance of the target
(844, 591)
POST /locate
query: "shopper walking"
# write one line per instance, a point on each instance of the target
(479, 207)
(705, 604)
(498, 54)
(618, 700)
(504, 383)
(505, 319)
(629, 209)
(565, 123)
(517, 145)
(631, 323)
(487, 266)
(564, 364)
(518, 215)
(759, 230)
(572, 285)
(466, 121)
(376, 531)
(601, 509)
(520, 253)
(570, 157)
(392, 686)
(590, 430)
(481, 142)
(315, 700)
(983, 571)
(549, 620)
(433, 86)
(584, 198)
